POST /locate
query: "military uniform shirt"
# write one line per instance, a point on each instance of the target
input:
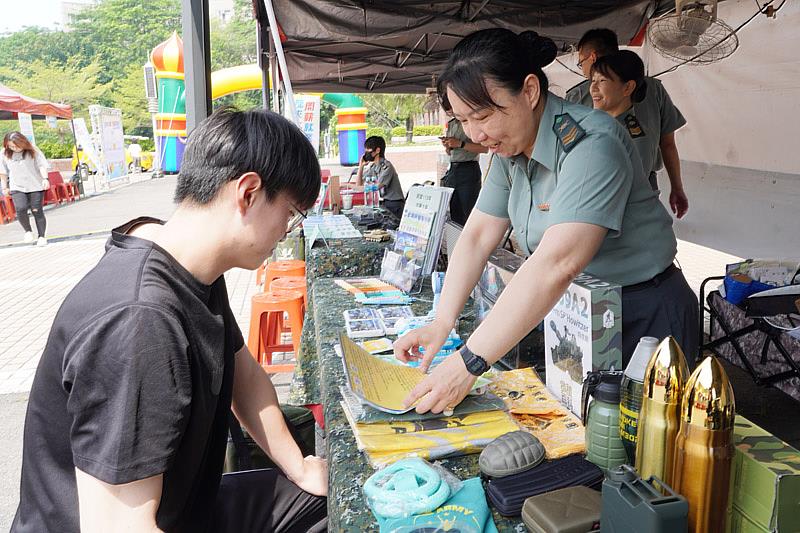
(593, 176)
(459, 155)
(387, 178)
(656, 109)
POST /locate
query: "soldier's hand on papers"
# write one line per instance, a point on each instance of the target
(443, 388)
(430, 338)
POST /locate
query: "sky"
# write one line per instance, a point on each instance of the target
(46, 13)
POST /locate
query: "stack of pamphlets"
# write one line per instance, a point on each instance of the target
(366, 322)
(373, 291)
(419, 237)
(328, 227)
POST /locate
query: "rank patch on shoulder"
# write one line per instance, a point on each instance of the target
(634, 128)
(568, 131)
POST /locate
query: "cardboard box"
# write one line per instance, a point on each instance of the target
(765, 481)
(583, 332)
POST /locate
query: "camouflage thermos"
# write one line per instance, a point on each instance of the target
(664, 379)
(704, 449)
(630, 402)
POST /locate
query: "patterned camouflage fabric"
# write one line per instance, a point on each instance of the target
(766, 480)
(751, 345)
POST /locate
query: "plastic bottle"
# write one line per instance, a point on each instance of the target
(601, 418)
(631, 394)
(368, 193)
(376, 194)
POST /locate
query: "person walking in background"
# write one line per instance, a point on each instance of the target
(464, 174)
(23, 173)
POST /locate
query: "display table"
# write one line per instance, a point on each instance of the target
(341, 258)
(349, 469)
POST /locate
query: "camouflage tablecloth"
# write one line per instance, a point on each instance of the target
(347, 508)
(341, 258)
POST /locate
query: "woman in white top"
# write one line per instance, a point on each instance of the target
(25, 167)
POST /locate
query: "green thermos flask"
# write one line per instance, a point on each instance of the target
(600, 417)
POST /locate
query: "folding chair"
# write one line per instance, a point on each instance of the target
(750, 335)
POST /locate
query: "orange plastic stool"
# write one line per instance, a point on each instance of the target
(282, 269)
(266, 326)
(279, 269)
(291, 283)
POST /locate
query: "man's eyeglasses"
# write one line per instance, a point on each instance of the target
(297, 219)
(581, 61)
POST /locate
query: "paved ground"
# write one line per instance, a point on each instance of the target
(34, 281)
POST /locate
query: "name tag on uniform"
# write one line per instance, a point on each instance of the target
(568, 131)
(634, 128)
(544, 206)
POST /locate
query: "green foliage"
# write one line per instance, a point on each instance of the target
(55, 149)
(432, 130)
(99, 61)
(121, 33)
(393, 109)
(128, 96)
(67, 83)
(147, 145)
(234, 43)
(32, 44)
(399, 131)
(380, 132)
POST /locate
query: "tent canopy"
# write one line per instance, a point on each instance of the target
(398, 46)
(12, 102)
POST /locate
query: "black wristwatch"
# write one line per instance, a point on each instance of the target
(476, 364)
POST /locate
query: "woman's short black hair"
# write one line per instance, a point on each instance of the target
(231, 143)
(499, 55)
(625, 66)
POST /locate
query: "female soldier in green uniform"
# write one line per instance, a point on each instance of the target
(617, 83)
(569, 180)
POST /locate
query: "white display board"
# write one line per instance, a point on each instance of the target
(26, 126)
(107, 128)
(308, 117)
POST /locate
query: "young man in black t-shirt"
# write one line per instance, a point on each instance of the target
(128, 415)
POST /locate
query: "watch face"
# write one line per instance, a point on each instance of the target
(476, 365)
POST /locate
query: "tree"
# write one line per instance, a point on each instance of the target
(396, 108)
(31, 44)
(63, 84)
(121, 33)
(128, 96)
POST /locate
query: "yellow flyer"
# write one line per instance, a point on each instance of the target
(376, 382)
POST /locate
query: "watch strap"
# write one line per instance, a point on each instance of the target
(476, 365)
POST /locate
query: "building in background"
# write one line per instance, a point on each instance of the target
(70, 8)
(221, 10)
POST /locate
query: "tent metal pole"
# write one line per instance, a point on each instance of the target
(276, 39)
(261, 40)
(273, 69)
(197, 61)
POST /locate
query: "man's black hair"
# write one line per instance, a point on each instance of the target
(376, 141)
(231, 143)
(600, 40)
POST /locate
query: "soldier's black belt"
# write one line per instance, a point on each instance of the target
(654, 281)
